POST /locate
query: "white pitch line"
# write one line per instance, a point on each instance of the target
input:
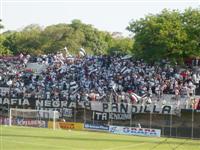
(126, 146)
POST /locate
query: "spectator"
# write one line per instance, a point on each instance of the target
(96, 78)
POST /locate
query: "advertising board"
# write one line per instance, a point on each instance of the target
(134, 131)
(67, 125)
(96, 127)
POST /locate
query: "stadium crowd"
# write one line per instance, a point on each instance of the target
(96, 78)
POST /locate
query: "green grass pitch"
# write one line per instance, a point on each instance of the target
(21, 138)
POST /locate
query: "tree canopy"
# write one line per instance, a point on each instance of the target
(36, 40)
(3, 50)
(169, 34)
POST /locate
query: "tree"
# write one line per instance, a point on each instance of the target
(191, 24)
(121, 46)
(26, 41)
(35, 40)
(166, 35)
(3, 50)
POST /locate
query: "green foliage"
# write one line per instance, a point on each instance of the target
(121, 46)
(191, 19)
(170, 34)
(35, 40)
(4, 51)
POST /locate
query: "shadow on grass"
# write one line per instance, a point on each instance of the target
(165, 141)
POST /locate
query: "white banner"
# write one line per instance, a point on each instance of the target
(133, 108)
(121, 108)
(134, 131)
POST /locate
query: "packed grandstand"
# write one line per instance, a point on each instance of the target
(97, 78)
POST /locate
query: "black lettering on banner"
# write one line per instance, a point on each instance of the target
(119, 110)
(114, 107)
(105, 116)
(146, 109)
(105, 107)
(154, 109)
(141, 109)
(134, 109)
(166, 109)
(123, 108)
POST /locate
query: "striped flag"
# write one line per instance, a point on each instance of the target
(73, 86)
(82, 52)
(125, 70)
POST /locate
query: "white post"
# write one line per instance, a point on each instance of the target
(10, 117)
(54, 120)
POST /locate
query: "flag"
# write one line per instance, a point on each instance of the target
(135, 97)
(93, 70)
(73, 86)
(60, 60)
(125, 70)
(127, 57)
(82, 52)
(67, 52)
(197, 104)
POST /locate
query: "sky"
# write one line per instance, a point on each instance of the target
(106, 15)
